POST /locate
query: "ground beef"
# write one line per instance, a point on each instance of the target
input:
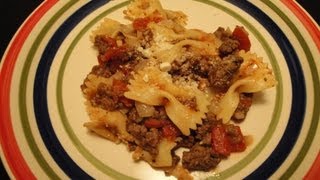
(101, 43)
(203, 132)
(221, 75)
(101, 70)
(113, 57)
(243, 107)
(194, 66)
(124, 61)
(186, 142)
(199, 158)
(147, 139)
(228, 47)
(201, 65)
(105, 98)
(222, 34)
(213, 71)
(131, 146)
(211, 117)
(110, 98)
(189, 102)
(160, 113)
(234, 136)
(145, 38)
(136, 130)
(133, 115)
(229, 44)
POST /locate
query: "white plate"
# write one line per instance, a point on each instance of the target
(42, 108)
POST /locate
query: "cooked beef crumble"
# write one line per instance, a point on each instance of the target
(101, 70)
(243, 107)
(133, 115)
(199, 158)
(222, 34)
(194, 66)
(220, 77)
(102, 43)
(105, 98)
(229, 43)
(214, 71)
(147, 139)
(228, 46)
(113, 57)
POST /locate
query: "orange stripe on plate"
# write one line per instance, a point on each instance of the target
(311, 27)
(12, 152)
(314, 31)
(314, 171)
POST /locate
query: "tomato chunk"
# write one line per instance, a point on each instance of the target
(220, 142)
(227, 138)
(170, 131)
(112, 53)
(236, 139)
(119, 86)
(153, 123)
(242, 36)
(110, 41)
(126, 102)
(142, 23)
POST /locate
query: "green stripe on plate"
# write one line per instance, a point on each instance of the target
(81, 148)
(22, 94)
(315, 79)
(107, 170)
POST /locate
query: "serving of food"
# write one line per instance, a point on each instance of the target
(159, 87)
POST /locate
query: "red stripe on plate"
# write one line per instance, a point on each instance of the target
(314, 170)
(12, 152)
(311, 27)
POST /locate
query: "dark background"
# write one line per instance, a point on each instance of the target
(14, 12)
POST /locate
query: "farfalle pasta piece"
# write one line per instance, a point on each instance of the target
(254, 76)
(157, 87)
(147, 8)
(163, 159)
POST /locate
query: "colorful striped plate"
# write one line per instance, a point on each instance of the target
(42, 108)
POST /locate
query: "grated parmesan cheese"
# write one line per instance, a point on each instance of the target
(165, 67)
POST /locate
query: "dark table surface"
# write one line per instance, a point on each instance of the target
(14, 12)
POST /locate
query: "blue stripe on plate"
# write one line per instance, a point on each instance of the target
(273, 162)
(298, 106)
(40, 92)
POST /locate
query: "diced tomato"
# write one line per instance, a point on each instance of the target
(112, 52)
(239, 145)
(165, 101)
(126, 102)
(119, 86)
(153, 123)
(110, 41)
(242, 36)
(142, 23)
(156, 19)
(226, 139)
(220, 142)
(170, 131)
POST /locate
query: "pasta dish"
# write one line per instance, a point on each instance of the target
(159, 87)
